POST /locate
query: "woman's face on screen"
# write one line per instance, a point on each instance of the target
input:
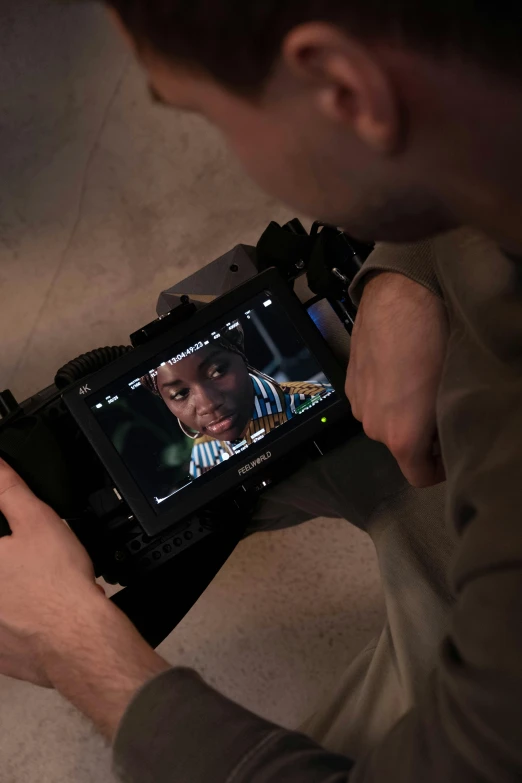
(210, 392)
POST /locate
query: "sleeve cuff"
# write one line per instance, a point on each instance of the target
(416, 261)
(178, 728)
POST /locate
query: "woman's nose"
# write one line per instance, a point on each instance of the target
(208, 402)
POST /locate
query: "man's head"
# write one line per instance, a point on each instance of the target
(394, 120)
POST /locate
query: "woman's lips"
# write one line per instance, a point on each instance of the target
(222, 425)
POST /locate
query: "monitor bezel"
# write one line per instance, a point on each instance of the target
(188, 501)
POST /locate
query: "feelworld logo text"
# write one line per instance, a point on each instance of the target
(254, 463)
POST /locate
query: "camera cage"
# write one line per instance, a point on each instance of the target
(128, 542)
(254, 461)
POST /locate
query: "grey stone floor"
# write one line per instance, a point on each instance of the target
(104, 201)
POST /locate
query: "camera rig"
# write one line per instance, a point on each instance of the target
(44, 443)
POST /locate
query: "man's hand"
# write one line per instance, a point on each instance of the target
(45, 578)
(56, 628)
(397, 355)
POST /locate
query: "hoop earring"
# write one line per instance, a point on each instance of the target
(190, 434)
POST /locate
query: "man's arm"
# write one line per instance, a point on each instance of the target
(56, 628)
(397, 355)
(100, 663)
(415, 260)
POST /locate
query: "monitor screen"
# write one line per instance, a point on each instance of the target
(197, 408)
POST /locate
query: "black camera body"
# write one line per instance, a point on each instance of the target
(110, 445)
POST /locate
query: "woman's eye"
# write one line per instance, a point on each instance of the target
(217, 371)
(180, 395)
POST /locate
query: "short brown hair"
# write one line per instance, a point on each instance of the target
(237, 41)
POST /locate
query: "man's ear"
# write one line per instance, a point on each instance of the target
(351, 86)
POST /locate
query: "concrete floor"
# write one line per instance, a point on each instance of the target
(104, 201)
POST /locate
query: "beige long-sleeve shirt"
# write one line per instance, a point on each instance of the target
(467, 727)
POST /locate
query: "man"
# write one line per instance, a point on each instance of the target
(398, 123)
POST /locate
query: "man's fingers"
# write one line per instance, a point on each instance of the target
(421, 472)
(420, 463)
(17, 502)
(418, 459)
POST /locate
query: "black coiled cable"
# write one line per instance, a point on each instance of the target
(88, 363)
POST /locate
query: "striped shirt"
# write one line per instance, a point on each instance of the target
(274, 404)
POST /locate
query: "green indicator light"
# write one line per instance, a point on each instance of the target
(324, 419)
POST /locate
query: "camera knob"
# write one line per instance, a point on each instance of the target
(8, 404)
